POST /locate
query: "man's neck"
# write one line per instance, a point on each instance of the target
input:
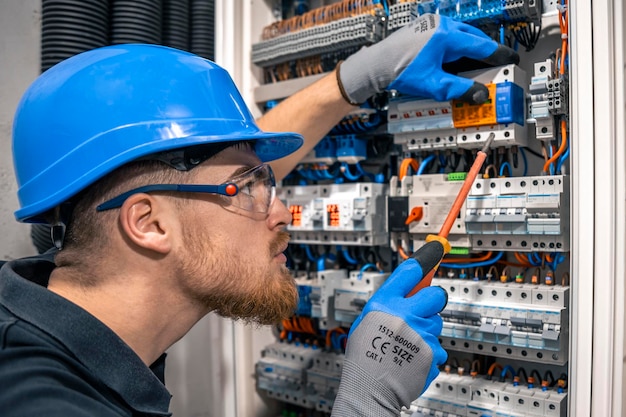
(148, 318)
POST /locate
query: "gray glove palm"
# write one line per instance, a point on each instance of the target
(393, 352)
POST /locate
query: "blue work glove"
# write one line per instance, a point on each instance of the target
(411, 61)
(393, 352)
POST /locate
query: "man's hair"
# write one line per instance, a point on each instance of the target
(87, 236)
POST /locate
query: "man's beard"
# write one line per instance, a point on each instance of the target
(239, 284)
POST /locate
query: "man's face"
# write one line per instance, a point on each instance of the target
(232, 262)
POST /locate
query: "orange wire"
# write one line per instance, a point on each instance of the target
(558, 153)
(330, 332)
(467, 260)
(493, 367)
(404, 167)
(402, 253)
(564, 29)
(522, 260)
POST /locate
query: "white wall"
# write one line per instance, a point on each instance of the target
(20, 33)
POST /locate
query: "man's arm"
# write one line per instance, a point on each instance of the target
(312, 112)
(409, 61)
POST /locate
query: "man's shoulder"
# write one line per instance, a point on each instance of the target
(39, 374)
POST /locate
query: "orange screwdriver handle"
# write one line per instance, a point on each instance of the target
(425, 282)
(428, 279)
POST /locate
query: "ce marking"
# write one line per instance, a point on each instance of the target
(382, 346)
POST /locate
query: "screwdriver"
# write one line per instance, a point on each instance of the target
(451, 217)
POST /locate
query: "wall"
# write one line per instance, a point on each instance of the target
(20, 33)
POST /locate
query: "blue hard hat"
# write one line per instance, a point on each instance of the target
(98, 110)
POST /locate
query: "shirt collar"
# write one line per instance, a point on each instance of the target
(22, 287)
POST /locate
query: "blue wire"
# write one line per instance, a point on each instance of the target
(549, 157)
(505, 165)
(521, 150)
(502, 34)
(425, 163)
(533, 258)
(349, 175)
(442, 162)
(309, 254)
(562, 159)
(475, 264)
(324, 173)
(558, 258)
(340, 338)
(333, 340)
(365, 268)
(348, 258)
(321, 263)
(364, 173)
(507, 368)
(306, 173)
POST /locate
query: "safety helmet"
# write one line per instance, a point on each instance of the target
(101, 109)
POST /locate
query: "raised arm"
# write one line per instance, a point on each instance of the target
(312, 112)
(410, 61)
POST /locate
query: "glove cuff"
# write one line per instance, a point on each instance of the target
(360, 394)
(342, 89)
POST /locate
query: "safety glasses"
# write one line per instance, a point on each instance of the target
(250, 193)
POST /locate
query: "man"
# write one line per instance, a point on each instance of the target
(153, 175)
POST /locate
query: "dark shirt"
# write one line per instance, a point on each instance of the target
(57, 360)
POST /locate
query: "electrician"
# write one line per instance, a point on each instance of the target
(155, 179)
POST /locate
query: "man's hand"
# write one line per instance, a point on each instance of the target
(393, 352)
(410, 61)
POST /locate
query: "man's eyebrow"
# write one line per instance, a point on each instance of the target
(240, 171)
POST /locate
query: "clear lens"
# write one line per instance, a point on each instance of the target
(256, 191)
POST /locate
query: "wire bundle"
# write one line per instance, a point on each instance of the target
(137, 21)
(70, 27)
(320, 16)
(203, 28)
(176, 24)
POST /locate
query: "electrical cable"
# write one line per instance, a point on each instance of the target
(546, 167)
(476, 264)
(503, 166)
(346, 255)
(523, 153)
(424, 164)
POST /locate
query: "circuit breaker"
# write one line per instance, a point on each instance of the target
(385, 177)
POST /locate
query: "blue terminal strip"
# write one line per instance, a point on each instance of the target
(351, 147)
(473, 11)
(510, 103)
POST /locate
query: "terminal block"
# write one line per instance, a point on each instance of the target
(322, 380)
(485, 14)
(429, 198)
(345, 214)
(325, 152)
(400, 14)
(281, 372)
(521, 213)
(318, 39)
(353, 293)
(548, 98)
(306, 205)
(456, 395)
(421, 124)
(510, 320)
(322, 295)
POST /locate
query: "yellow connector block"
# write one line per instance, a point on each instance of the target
(469, 115)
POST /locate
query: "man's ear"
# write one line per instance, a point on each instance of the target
(147, 222)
